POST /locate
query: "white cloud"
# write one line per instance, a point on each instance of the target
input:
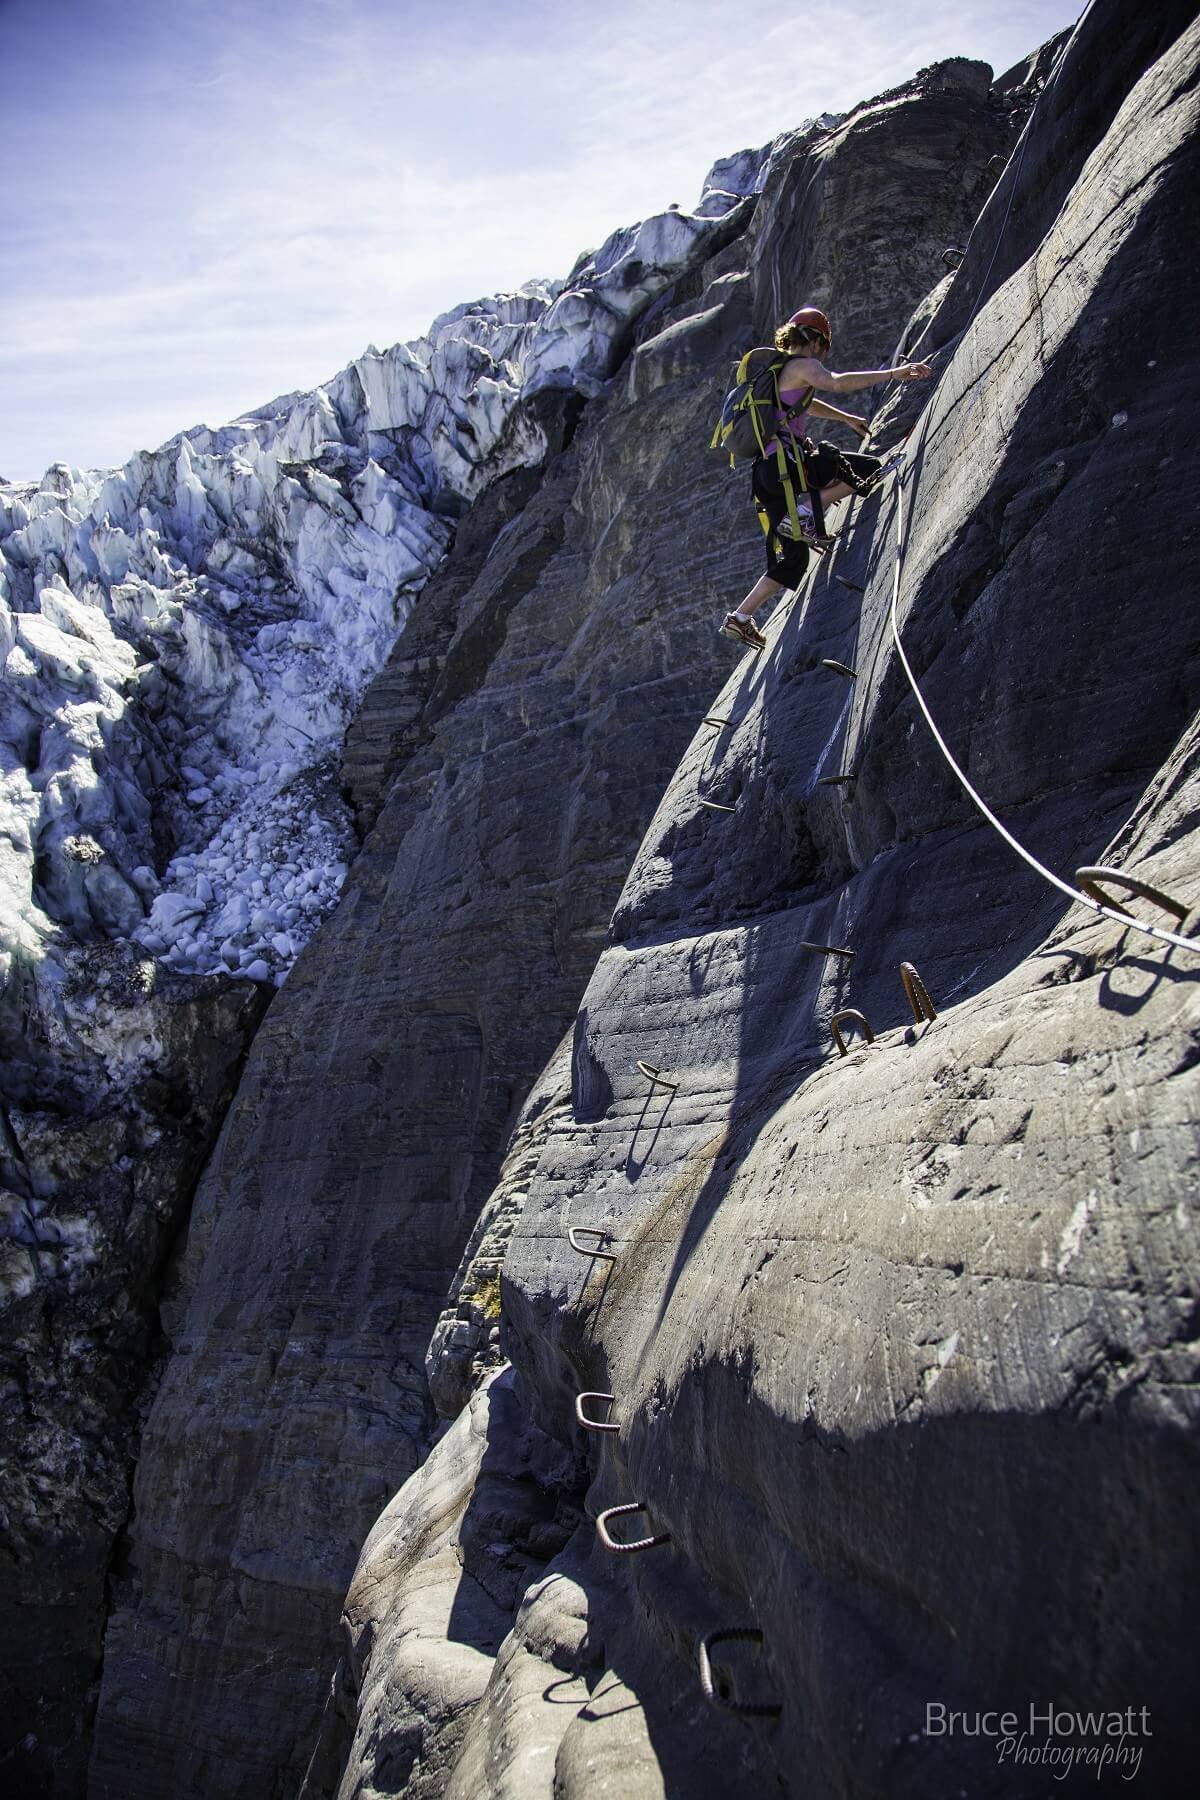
(215, 201)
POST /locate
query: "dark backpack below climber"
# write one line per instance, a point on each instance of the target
(793, 480)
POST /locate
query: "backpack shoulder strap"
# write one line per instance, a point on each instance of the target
(806, 399)
(756, 363)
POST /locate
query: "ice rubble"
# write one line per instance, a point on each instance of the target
(185, 638)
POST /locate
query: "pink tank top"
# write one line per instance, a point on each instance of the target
(793, 424)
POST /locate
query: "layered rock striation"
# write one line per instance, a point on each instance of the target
(901, 1343)
(506, 764)
(184, 640)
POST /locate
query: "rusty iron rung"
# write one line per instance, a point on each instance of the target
(743, 1634)
(1091, 877)
(577, 1231)
(849, 1015)
(593, 1424)
(630, 1549)
(839, 668)
(835, 780)
(828, 949)
(655, 1077)
(917, 994)
(852, 585)
(713, 720)
(716, 806)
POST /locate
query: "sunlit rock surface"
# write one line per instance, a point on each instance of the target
(507, 761)
(183, 642)
(902, 1344)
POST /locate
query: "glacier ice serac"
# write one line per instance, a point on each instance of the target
(185, 638)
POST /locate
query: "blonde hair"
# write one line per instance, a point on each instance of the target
(793, 339)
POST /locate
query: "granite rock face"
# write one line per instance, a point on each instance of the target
(463, 1543)
(182, 643)
(108, 1109)
(902, 1344)
(507, 763)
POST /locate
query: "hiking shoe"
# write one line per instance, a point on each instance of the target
(745, 631)
(810, 537)
(807, 524)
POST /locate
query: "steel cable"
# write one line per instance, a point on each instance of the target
(1160, 933)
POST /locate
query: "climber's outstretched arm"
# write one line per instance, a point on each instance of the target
(806, 371)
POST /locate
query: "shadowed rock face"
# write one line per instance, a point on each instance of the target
(108, 1106)
(511, 760)
(902, 1344)
(182, 642)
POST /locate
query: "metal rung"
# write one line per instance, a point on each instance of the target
(829, 950)
(835, 780)
(593, 1424)
(1090, 879)
(740, 1634)
(711, 719)
(839, 668)
(917, 994)
(852, 585)
(578, 1231)
(618, 1512)
(849, 1015)
(715, 806)
(655, 1077)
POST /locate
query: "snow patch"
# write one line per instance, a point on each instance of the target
(1072, 1237)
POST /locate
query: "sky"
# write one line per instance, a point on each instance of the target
(206, 203)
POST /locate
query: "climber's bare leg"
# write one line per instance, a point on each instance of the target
(764, 589)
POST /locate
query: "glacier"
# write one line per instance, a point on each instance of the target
(186, 638)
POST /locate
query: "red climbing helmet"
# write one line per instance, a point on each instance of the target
(811, 318)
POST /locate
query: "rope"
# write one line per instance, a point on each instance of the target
(1064, 887)
(1160, 933)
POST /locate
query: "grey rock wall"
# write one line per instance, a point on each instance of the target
(182, 643)
(511, 758)
(902, 1344)
(109, 1105)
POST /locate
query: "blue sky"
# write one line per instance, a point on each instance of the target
(205, 204)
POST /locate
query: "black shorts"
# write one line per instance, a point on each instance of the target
(823, 465)
(786, 558)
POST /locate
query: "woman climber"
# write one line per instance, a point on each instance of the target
(793, 480)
